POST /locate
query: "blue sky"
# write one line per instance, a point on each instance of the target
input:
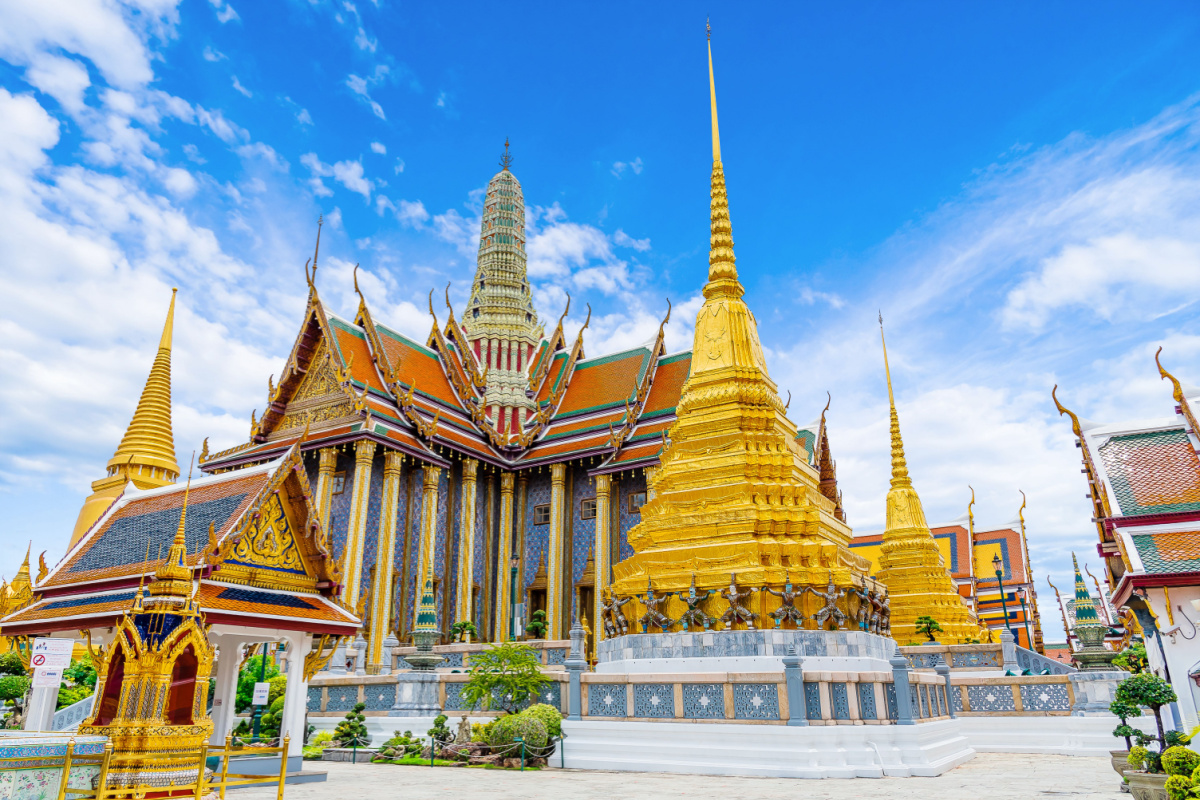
(1015, 186)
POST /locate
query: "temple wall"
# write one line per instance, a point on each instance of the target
(583, 530)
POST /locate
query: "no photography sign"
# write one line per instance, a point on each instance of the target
(51, 653)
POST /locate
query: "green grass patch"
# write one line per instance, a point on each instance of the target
(416, 762)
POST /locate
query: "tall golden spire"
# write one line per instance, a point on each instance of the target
(735, 493)
(722, 266)
(146, 454)
(910, 562)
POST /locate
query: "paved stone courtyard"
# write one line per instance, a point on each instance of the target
(988, 776)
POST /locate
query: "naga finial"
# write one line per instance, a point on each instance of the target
(431, 307)
(317, 249)
(789, 402)
(448, 306)
(1021, 511)
(358, 291)
(1075, 426)
(566, 310)
(588, 320)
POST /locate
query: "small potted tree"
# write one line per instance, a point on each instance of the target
(1124, 710)
(350, 733)
(537, 626)
(463, 630)
(928, 626)
(1147, 690)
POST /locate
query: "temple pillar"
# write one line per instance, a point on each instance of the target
(385, 554)
(356, 534)
(504, 598)
(295, 695)
(429, 508)
(325, 469)
(554, 561)
(600, 552)
(466, 542)
(229, 658)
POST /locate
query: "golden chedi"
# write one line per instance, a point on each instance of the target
(910, 562)
(146, 455)
(735, 495)
(153, 684)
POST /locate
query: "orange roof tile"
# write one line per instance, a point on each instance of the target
(600, 422)
(352, 344)
(669, 377)
(638, 452)
(252, 601)
(553, 376)
(604, 381)
(542, 451)
(411, 362)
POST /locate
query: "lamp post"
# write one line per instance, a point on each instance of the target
(998, 565)
(514, 562)
(262, 677)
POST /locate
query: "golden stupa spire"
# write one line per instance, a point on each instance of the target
(173, 576)
(899, 463)
(722, 265)
(910, 561)
(146, 454)
(149, 445)
(21, 582)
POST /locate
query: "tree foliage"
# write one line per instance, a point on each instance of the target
(1150, 691)
(10, 663)
(1132, 659)
(352, 731)
(248, 677)
(537, 626)
(504, 676)
(461, 630)
(14, 686)
(928, 626)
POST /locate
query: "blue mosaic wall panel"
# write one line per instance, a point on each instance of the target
(606, 700)
(812, 700)
(985, 659)
(583, 530)
(414, 484)
(454, 701)
(536, 536)
(841, 701)
(342, 698)
(455, 534)
(551, 694)
(991, 698)
(889, 692)
(956, 699)
(628, 483)
(653, 700)
(755, 701)
(703, 701)
(866, 701)
(339, 505)
(556, 655)
(379, 697)
(314, 699)
(1045, 697)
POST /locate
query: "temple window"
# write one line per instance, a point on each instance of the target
(339, 482)
(636, 501)
(587, 508)
(183, 688)
(541, 514)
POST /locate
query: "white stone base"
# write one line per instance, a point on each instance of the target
(841, 751)
(1067, 736)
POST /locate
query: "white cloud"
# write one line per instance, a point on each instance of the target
(364, 42)
(619, 167)
(237, 85)
(622, 239)
(213, 54)
(64, 79)
(378, 147)
(347, 173)
(193, 154)
(412, 213)
(809, 296)
(303, 117)
(362, 87)
(399, 165)
(225, 12)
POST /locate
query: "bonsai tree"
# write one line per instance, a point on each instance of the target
(1132, 658)
(351, 732)
(928, 626)
(463, 629)
(1124, 709)
(505, 676)
(537, 626)
(1149, 691)
(439, 735)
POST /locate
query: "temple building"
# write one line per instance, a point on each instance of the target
(1143, 481)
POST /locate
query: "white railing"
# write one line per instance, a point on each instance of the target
(68, 719)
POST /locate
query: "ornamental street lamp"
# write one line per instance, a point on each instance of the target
(516, 560)
(998, 565)
(262, 677)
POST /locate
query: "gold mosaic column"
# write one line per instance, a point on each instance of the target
(554, 571)
(466, 542)
(385, 553)
(325, 470)
(504, 599)
(429, 506)
(356, 533)
(600, 552)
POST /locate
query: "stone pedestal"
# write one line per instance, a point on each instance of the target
(416, 695)
(1094, 691)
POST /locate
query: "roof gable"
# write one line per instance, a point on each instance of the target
(1154, 472)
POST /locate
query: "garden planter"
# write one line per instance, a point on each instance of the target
(361, 755)
(1147, 786)
(1120, 761)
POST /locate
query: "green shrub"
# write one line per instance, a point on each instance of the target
(481, 731)
(1132, 659)
(248, 677)
(504, 676)
(14, 686)
(507, 729)
(1180, 761)
(81, 673)
(272, 720)
(1179, 787)
(402, 745)
(1149, 690)
(1137, 756)
(550, 717)
(73, 694)
(10, 663)
(537, 626)
(351, 732)
(1175, 738)
(278, 687)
